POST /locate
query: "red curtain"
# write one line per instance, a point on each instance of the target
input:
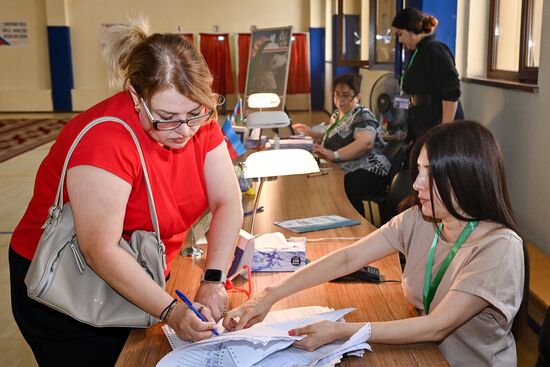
(244, 51)
(298, 73)
(215, 49)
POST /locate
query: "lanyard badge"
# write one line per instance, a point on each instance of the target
(431, 286)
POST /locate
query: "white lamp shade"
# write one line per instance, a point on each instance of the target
(263, 100)
(280, 162)
(267, 119)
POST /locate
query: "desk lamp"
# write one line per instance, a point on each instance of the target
(266, 165)
(266, 119)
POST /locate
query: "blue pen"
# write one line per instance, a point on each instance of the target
(200, 315)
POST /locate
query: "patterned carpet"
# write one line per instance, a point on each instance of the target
(21, 135)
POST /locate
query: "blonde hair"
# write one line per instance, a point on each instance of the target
(154, 62)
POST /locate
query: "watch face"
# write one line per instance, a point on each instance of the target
(213, 275)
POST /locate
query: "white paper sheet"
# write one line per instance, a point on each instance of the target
(264, 344)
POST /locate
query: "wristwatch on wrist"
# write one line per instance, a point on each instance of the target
(336, 155)
(213, 276)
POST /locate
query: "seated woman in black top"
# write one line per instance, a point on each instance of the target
(430, 77)
(353, 140)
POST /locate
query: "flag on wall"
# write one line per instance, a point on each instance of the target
(234, 144)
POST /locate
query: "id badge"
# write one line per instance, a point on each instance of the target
(401, 103)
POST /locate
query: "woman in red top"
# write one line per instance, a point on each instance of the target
(168, 102)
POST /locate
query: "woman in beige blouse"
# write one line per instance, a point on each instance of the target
(462, 206)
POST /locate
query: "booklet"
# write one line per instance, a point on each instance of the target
(316, 223)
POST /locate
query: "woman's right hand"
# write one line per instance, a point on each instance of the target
(187, 325)
(302, 129)
(249, 313)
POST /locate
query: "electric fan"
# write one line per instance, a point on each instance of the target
(382, 97)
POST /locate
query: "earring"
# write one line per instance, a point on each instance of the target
(136, 107)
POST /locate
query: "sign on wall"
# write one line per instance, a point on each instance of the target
(14, 34)
(268, 62)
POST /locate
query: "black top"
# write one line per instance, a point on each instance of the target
(432, 72)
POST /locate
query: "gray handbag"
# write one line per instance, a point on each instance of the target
(60, 278)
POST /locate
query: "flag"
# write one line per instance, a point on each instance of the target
(234, 144)
(236, 117)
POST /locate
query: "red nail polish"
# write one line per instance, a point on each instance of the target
(292, 332)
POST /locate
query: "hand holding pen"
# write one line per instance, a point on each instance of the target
(188, 325)
(190, 305)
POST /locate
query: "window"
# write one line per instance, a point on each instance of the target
(362, 43)
(514, 40)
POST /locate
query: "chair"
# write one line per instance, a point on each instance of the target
(379, 210)
(544, 342)
(396, 152)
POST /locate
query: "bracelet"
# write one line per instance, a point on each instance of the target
(167, 310)
(170, 310)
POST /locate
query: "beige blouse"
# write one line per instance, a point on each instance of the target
(491, 268)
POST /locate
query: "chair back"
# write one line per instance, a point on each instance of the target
(400, 188)
(544, 342)
(396, 152)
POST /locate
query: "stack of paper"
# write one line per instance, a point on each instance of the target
(265, 344)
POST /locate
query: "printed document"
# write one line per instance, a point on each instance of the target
(265, 344)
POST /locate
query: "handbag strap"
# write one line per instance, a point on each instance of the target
(58, 204)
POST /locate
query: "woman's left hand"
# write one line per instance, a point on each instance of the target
(323, 152)
(214, 296)
(317, 334)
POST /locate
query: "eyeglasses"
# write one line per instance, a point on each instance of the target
(162, 124)
(343, 96)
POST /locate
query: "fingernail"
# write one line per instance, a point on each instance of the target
(292, 332)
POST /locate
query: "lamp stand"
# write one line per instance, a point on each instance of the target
(193, 251)
(256, 202)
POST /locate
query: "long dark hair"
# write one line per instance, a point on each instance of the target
(467, 168)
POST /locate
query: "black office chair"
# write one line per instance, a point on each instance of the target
(400, 188)
(544, 342)
(396, 152)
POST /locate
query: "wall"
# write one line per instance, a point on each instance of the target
(519, 120)
(24, 71)
(190, 15)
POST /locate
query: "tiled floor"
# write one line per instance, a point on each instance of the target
(16, 185)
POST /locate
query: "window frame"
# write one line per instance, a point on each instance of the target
(524, 74)
(370, 63)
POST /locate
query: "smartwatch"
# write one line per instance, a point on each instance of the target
(213, 276)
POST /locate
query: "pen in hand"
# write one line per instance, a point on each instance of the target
(190, 305)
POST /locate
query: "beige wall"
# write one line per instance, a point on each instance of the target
(25, 71)
(520, 121)
(190, 15)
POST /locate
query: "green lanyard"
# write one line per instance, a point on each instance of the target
(429, 286)
(408, 66)
(331, 127)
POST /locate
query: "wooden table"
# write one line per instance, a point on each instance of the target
(293, 197)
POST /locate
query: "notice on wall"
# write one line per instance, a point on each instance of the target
(14, 34)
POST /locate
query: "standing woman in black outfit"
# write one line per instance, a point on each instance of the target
(430, 77)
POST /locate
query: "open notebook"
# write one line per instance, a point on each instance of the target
(265, 344)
